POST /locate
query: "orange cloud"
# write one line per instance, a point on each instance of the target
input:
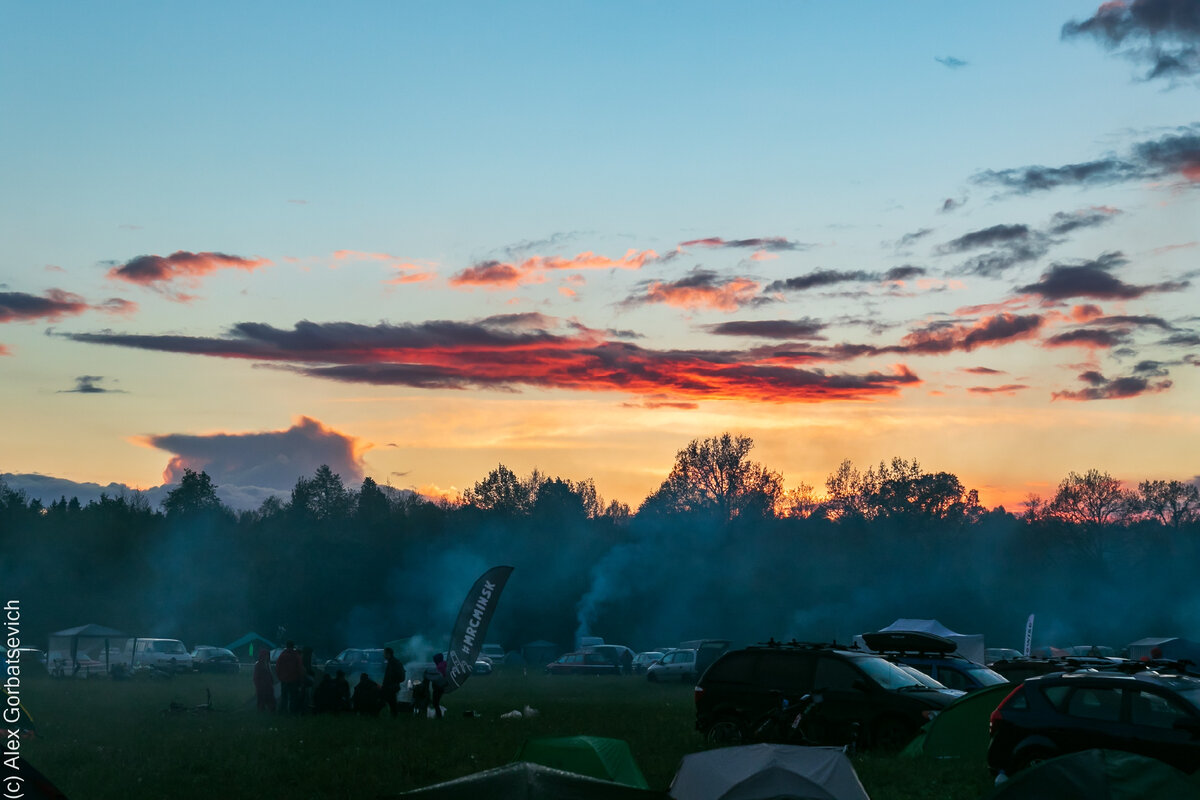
(505, 275)
(729, 296)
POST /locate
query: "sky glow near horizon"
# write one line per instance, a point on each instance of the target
(418, 241)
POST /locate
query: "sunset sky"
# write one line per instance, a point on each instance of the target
(414, 241)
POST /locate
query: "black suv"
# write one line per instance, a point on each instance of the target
(863, 697)
(1151, 713)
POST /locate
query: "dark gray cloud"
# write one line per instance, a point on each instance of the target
(89, 384)
(952, 204)
(903, 273)
(821, 277)
(1163, 34)
(909, 239)
(770, 243)
(1101, 388)
(1103, 338)
(19, 306)
(1174, 154)
(771, 328)
(1063, 223)
(950, 61)
(1012, 245)
(1092, 279)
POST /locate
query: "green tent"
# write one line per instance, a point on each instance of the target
(595, 756)
(525, 781)
(1098, 775)
(960, 730)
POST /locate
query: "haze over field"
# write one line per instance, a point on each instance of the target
(415, 241)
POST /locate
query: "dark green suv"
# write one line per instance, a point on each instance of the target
(862, 697)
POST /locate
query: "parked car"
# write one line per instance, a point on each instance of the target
(493, 653)
(617, 654)
(678, 665)
(1151, 713)
(28, 657)
(934, 655)
(583, 663)
(1001, 654)
(164, 654)
(932, 683)
(864, 697)
(206, 658)
(354, 661)
(644, 659)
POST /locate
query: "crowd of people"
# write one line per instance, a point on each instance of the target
(300, 692)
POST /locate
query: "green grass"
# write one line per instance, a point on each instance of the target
(102, 739)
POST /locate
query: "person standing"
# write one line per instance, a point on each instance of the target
(264, 681)
(440, 681)
(289, 669)
(393, 676)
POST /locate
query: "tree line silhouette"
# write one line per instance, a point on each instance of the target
(719, 549)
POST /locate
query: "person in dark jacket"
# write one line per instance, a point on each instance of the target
(393, 677)
(289, 669)
(367, 699)
(440, 682)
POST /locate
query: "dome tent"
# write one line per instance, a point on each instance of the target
(762, 771)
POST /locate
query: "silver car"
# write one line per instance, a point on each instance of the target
(677, 665)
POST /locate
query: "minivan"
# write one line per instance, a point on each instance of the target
(166, 654)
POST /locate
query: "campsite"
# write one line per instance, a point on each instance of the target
(102, 739)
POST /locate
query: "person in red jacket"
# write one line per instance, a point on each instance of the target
(289, 669)
(264, 681)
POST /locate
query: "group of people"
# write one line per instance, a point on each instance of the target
(299, 691)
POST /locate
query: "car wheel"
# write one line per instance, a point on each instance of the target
(725, 731)
(890, 735)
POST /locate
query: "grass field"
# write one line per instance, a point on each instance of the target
(101, 739)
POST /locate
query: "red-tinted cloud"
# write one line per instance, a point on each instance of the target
(509, 351)
(508, 275)
(53, 306)
(1091, 338)
(987, 332)
(159, 271)
(696, 292)
(1009, 389)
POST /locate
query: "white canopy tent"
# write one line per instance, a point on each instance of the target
(970, 645)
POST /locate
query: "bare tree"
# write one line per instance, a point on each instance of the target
(1173, 503)
(715, 475)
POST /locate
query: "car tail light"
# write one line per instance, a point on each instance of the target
(699, 690)
(995, 715)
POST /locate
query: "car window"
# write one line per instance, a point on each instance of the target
(739, 666)
(1154, 710)
(669, 658)
(686, 657)
(885, 673)
(1095, 702)
(1057, 695)
(985, 677)
(835, 675)
(953, 679)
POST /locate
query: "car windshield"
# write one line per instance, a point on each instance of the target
(924, 679)
(887, 674)
(985, 676)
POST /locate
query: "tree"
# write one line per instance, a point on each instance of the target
(1172, 503)
(1095, 499)
(195, 495)
(322, 497)
(373, 504)
(501, 491)
(715, 476)
(846, 492)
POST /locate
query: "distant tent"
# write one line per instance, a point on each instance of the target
(960, 730)
(1173, 648)
(1098, 775)
(530, 782)
(246, 648)
(86, 647)
(762, 771)
(970, 645)
(595, 756)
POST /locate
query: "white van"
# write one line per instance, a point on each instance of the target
(168, 654)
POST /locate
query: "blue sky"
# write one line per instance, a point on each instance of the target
(363, 165)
